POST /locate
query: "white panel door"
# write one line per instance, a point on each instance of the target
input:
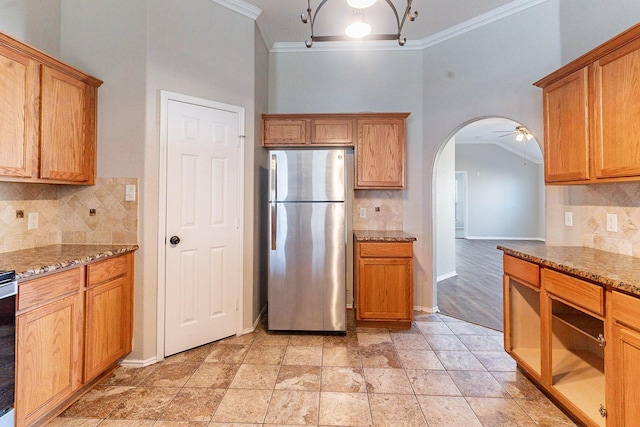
(203, 191)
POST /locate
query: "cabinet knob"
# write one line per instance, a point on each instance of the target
(174, 240)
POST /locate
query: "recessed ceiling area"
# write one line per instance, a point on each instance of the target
(280, 24)
(502, 132)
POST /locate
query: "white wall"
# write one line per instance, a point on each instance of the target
(445, 212)
(503, 192)
(140, 47)
(35, 22)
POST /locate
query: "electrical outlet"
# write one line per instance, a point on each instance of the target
(130, 193)
(363, 212)
(612, 222)
(568, 219)
(32, 222)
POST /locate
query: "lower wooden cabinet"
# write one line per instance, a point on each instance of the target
(384, 283)
(71, 328)
(108, 314)
(624, 409)
(49, 341)
(562, 331)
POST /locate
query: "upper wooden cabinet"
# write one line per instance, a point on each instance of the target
(47, 118)
(380, 153)
(378, 138)
(591, 114)
(304, 130)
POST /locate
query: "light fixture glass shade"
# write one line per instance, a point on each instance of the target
(361, 4)
(519, 137)
(358, 30)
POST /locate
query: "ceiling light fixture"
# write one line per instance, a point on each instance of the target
(361, 4)
(310, 17)
(358, 27)
(523, 133)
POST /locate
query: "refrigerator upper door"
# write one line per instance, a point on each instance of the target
(307, 175)
(307, 270)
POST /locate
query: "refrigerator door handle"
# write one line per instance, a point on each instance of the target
(274, 178)
(274, 225)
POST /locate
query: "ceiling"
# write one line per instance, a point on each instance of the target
(280, 23)
(499, 131)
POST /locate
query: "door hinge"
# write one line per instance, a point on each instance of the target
(603, 411)
(237, 304)
(601, 340)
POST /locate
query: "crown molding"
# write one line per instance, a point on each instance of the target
(496, 14)
(242, 7)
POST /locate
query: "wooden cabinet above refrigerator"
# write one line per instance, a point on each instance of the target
(378, 138)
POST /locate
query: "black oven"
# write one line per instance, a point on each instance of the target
(8, 291)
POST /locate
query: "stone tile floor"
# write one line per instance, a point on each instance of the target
(441, 372)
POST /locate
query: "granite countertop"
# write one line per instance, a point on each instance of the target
(383, 236)
(31, 262)
(606, 268)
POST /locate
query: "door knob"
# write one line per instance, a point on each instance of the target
(174, 240)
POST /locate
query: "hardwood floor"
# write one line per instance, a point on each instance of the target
(475, 294)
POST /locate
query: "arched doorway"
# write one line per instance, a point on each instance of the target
(488, 188)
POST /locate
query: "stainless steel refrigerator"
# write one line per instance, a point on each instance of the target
(307, 242)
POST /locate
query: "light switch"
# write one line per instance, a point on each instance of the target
(130, 193)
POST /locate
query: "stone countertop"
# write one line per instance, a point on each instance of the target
(382, 236)
(606, 268)
(45, 259)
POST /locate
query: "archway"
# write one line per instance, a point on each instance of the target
(501, 198)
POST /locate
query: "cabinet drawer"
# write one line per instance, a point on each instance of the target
(625, 308)
(386, 250)
(523, 270)
(583, 294)
(106, 270)
(49, 288)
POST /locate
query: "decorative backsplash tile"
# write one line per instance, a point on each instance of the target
(389, 213)
(63, 214)
(621, 199)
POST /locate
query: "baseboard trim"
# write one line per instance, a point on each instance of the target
(432, 310)
(446, 276)
(138, 363)
(540, 239)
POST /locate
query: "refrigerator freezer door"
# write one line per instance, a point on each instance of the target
(307, 267)
(307, 175)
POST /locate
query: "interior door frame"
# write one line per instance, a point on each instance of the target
(165, 97)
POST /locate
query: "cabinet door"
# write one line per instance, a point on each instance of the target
(49, 357)
(67, 134)
(332, 131)
(384, 289)
(380, 153)
(616, 142)
(279, 132)
(566, 124)
(107, 326)
(18, 115)
(626, 375)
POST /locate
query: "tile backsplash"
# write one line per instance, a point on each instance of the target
(388, 216)
(621, 199)
(64, 214)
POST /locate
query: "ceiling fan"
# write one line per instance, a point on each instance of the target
(521, 133)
